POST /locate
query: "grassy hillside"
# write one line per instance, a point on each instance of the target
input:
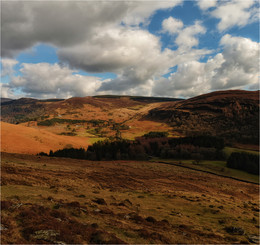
(229, 150)
(28, 140)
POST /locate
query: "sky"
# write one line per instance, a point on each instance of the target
(174, 48)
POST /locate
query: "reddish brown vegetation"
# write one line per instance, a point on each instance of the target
(33, 219)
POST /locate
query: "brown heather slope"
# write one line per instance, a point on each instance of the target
(21, 139)
(26, 109)
(84, 202)
(114, 110)
(232, 114)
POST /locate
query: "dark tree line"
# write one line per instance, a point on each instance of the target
(195, 147)
(53, 121)
(199, 148)
(116, 150)
(156, 134)
(244, 161)
(104, 150)
(70, 153)
(200, 141)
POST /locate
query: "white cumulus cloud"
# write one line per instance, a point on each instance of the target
(114, 49)
(112, 36)
(241, 63)
(172, 25)
(140, 11)
(206, 4)
(7, 91)
(237, 67)
(44, 80)
(8, 66)
(188, 37)
(234, 13)
(66, 23)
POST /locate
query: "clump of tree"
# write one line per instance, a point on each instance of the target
(201, 141)
(68, 133)
(70, 153)
(104, 150)
(97, 122)
(188, 151)
(244, 161)
(42, 154)
(116, 150)
(154, 134)
(53, 121)
(143, 147)
(119, 126)
(47, 123)
(195, 147)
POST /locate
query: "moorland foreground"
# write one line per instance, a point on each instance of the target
(159, 199)
(68, 201)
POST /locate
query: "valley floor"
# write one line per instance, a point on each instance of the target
(69, 201)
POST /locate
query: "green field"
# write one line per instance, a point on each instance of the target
(228, 150)
(217, 167)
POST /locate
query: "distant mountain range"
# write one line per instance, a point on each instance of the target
(233, 114)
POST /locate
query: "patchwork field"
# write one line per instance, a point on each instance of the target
(64, 201)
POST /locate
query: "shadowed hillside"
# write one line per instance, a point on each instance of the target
(4, 100)
(233, 115)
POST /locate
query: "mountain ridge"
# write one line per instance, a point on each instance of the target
(222, 113)
(231, 114)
